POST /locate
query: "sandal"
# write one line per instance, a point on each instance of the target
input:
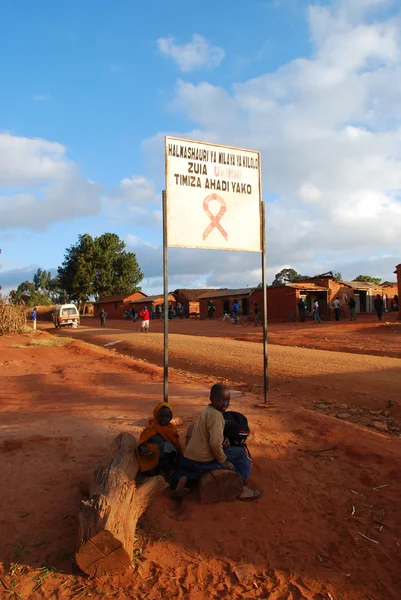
(256, 494)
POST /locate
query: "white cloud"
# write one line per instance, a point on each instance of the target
(135, 199)
(329, 128)
(194, 55)
(42, 97)
(40, 186)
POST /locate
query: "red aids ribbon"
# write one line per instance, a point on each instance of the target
(214, 219)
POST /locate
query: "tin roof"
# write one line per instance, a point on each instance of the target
(153, 299)
(226, 292)
(118, 298)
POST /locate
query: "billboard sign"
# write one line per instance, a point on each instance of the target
(213, 196)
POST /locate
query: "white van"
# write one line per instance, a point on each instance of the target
(66, 314)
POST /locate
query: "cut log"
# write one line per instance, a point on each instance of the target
(221, 485)
(107, 520)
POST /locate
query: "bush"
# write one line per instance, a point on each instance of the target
(12, 317)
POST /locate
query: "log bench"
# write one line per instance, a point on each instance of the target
(108, 518)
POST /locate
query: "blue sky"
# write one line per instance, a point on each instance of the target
(88, 90)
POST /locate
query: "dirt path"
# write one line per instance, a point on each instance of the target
(61, 406)
(318, 374)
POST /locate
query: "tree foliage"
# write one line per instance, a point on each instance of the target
(337, 275)
(285, 276)
(42, 291)
(98, 267)
(368, 278)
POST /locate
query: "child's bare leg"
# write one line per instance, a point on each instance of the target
(180, 491)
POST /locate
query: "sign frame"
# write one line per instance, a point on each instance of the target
(166, 245)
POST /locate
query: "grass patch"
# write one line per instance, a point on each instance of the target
(44, 573)
(50, 342)
(166, 535)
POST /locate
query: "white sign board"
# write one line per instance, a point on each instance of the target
(213, 196)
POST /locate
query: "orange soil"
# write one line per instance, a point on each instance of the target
(61, 407)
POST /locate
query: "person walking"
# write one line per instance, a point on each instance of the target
(316, 316)
(352, 309)
(302, 310)
(103, 315)
(336, 306)
(378, 304)
(145, 316)
(152, 312)
(235, 311)
(34, 318)
(256, 313)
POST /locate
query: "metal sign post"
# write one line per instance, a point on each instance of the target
(265, 353)
(165, 307)
(212, 200)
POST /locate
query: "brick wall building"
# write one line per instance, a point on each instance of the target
(115, 306)
(149, 301)
(398, 271)
(190, 299)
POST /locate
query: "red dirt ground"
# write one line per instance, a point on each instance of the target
(61, 407)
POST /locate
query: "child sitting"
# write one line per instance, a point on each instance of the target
(208, 450)
(159, 445)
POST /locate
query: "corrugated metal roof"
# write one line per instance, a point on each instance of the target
(153, 299)
(307, 286)
(117, 298)
(362, 285)
(227, 292)
(195, 293)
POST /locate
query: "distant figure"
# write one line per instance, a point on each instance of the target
(211, 309)
(336, 306)
(395, 302)
(135, 315)
(152, 312)
(145, 316)
(352, 309)
(302, 310)
(235, 310)
(159, 310)
(316, 316)
(34, 317)
(378, 303)
(256, 312)
(103, 316)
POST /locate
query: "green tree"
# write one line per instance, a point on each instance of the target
(42, 280)
(337, 275)
(97, 267)
(368, 278)
(26, 292)
(286, 275)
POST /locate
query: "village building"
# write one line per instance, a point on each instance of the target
(398, 272)
(115, 306)
(223, 300)
(157, 301)
(190, 300)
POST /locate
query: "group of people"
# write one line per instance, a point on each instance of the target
(378, 304)
(217, 441)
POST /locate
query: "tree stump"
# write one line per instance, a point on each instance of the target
(107, 520)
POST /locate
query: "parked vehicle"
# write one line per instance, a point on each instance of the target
(66, 315)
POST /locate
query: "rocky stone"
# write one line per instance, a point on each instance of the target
(380, 426)
(343, 415)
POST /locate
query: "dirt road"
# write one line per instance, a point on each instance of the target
(318, 374)
(328, 481)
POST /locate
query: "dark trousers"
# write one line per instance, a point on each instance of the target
(302, 316)
(337, 313)
(379, 313)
